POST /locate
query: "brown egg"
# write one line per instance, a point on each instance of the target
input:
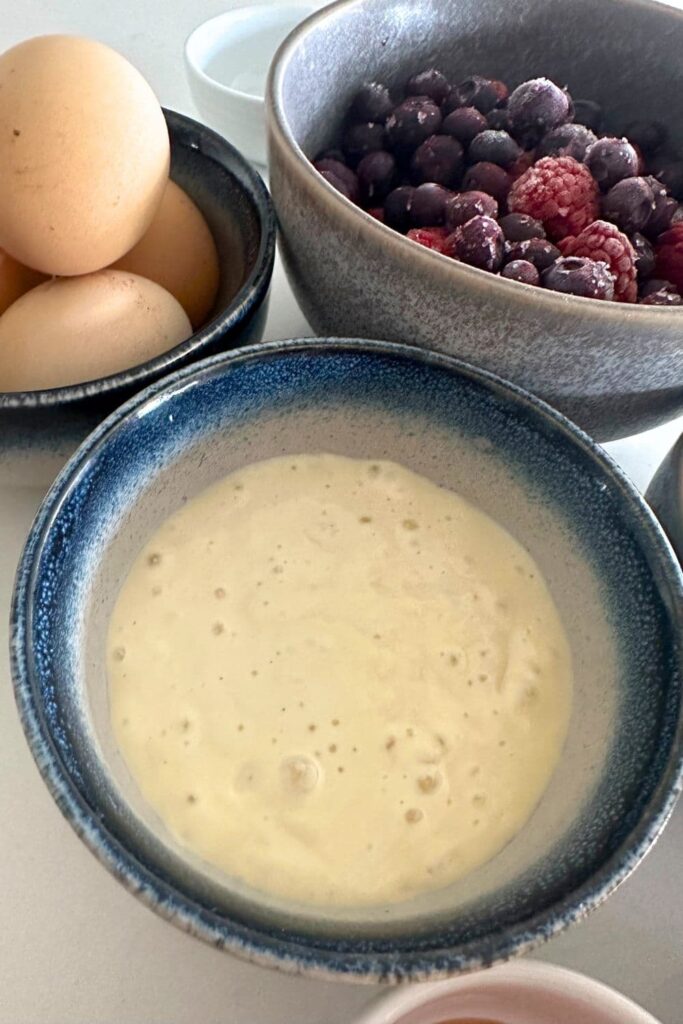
(84, 154)
(178, 252)
(75, 329)
(15, 279)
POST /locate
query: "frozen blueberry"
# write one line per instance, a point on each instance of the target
(648, 135)
(658, 285)
(330, 154)
(645, 255)
(428, 205)
(430, 83)
(413, 121)
(664, 209)
(372, 102)
(588, 113)
(577, 275)
(535, 107)
(536, 250)
(439, 158)
(473, 92)
(463, 124)
(361, 139)
(498, 119)
(566, 140)
(662, 298)
(494, 147)
(488, 177)
(340, 185)
(463, 206)
(480, 243)
(629, 204)
(397, 207)
(519, 227)
(521, 270)
(376, 173)
(670, 173)
(343, 173)
(609, 160)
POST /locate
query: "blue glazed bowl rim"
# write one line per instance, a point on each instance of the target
(249, 297)
(256, 945)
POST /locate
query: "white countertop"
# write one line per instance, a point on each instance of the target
(75, 948)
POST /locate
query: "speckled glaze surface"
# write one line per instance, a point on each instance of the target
(617, 586)
(238, 209)
(665, 495)
(614, 369)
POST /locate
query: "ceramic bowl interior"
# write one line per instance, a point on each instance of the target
(607, 564)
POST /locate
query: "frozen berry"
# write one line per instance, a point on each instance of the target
(604, 242)
(662, 298)
(439, 158)
(480, 243)
(413, 121)
(463, 124)
(397, 207)
(664, 210)
(343, 173)
(535, 107)
(629, 204)
(428, 205)
(430, 83)
(670, 173)
(432, 238)
(376, 173)
(609, 160)
(578, 275)
(494, 147)
(473, 92)
(645, 255)
(330, 154)
(372, 102)
(518, 227)
(588, 113)
(361, 139)
(560, 192)
(669, 253)
(498, 119)
(656, 284)
(502, 91)
(377, 212)
(566, 140)
(538, 251)
(488, 177)
(648, 135)
(521, 164)
(463, 206)
(521, 270)
(340, 185)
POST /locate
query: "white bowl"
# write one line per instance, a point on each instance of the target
(227, 60)
(523, 992)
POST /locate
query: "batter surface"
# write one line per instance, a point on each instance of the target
(337, 681)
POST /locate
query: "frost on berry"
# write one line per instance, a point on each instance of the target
(560, 192)
(604, 242)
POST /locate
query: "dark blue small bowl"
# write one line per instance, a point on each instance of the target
(612, 574)
(239, 212)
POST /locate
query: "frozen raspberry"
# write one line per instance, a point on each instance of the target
(559, 191)
(480, 243)
(578, 275)
(432, 238)
(521, 270)
(604, 242)
(669, 250)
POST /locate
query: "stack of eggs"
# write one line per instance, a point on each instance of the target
(105, 263)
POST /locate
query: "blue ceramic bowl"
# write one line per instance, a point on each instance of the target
(238, 209)
(611, 571)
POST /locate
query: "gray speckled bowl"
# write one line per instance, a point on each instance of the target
(612, 574)
(239, 212)
(615, 369)
(665, 495)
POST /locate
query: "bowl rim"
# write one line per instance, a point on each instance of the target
(249, 296)
(296, 954)
(278, 124)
